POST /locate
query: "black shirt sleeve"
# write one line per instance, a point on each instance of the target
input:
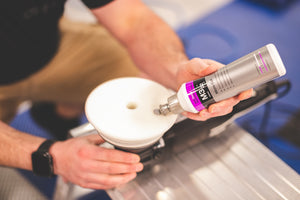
(95, 3)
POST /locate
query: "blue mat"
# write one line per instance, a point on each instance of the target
(236, 30)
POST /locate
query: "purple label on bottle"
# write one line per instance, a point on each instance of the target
(199, 94)
(190, 89)
(196, 102)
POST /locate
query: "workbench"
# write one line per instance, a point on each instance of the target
(230, 165)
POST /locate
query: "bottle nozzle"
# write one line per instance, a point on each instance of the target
(162, 110)
(156, 111)
(171, 107)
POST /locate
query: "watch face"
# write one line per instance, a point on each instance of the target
(42, 164)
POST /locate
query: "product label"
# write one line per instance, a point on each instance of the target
(199, 94)
(261, 64)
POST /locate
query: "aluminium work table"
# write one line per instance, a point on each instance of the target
(231, 165)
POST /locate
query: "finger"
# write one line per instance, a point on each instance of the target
(214, 63)
(112, 168)
(217, 109)
(195, 66)
(95, 186)
(95, 139)
(246, 94)
(223, 106)
(105, 181)
(205, 114)
(195, 116)
(200, 68)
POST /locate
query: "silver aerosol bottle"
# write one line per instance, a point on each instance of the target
(256, 68)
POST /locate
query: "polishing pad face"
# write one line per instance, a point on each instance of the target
(122, 112)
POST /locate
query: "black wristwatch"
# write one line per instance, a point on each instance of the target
(42, 162)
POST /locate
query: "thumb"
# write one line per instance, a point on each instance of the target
(194, 69)
(95, 139)
(202, 67)
(196, 66)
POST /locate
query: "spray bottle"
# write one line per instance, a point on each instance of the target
(256, 68)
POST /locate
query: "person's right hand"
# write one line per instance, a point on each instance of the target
(198, 68)
(81, 161)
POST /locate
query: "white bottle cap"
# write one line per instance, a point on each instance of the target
(122, 112)
(276, 59)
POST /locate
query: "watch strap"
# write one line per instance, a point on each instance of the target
(95, 3)
(45, 146)
(42, 162)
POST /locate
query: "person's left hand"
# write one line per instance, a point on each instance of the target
(197, 68)
(83, 162)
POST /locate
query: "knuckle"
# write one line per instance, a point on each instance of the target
(110, 169)
(83, 152)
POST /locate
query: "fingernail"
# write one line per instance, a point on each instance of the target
(140, 167)
(136, 158)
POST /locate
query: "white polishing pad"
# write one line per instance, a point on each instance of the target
(122, 112)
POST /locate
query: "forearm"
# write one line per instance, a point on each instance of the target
(153, 45)
(157, 50)
(16, 147)
(78, 160)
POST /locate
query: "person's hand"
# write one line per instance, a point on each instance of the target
(197, 68)
(81, 161)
